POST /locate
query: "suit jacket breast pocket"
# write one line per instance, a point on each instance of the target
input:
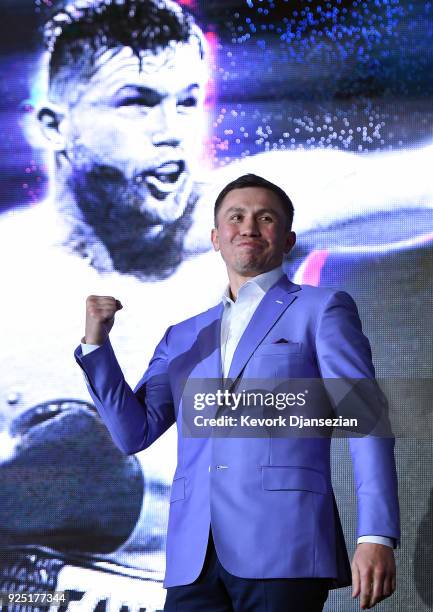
(278, 360)
(279, 348)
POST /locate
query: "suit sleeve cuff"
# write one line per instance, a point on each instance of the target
(377, 540)
(88, 348)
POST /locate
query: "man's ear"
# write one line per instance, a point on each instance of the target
(50, 118)
(290, 242)
(215, 239)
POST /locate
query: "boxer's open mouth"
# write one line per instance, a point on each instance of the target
(169, 172)
(164, 179)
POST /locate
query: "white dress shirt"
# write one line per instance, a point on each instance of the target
(236, 316)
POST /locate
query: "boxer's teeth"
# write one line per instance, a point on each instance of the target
(168, 172)
(168, 168)
(165, 177)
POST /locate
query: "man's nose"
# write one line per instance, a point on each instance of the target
(167, 125)
(250, 227)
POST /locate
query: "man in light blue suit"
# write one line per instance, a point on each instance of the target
(253, 523)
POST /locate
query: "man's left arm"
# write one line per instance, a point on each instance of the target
(344, 353)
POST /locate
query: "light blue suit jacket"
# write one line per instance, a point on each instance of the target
(272, 507)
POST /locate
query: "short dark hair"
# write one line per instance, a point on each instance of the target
(78, 31)
(253, 180)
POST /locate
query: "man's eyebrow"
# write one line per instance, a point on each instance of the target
(137, 90)
(257, 212)
(189, 90)
(141, 91)
(192, 86)
(267, 210)
(234, 209)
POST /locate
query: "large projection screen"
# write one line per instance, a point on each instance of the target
(120, 120)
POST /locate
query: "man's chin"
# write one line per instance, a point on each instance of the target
(156, 213)
(250, 266)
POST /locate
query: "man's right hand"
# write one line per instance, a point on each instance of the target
(100, 311)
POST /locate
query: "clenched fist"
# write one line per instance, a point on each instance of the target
(100, 311)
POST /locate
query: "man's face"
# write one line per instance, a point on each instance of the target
(133, 132)
(252, 231)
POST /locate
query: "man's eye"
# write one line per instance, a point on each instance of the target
(235, 217)
(137, 101)
(189, 102)
(267, 218)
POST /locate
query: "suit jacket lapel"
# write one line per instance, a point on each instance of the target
(274, 303)
(208, 329)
